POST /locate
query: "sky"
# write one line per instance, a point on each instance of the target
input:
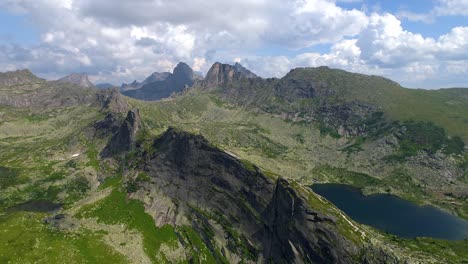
(418, 43)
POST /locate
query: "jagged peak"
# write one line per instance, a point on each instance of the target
(80, 79)
(124, 139)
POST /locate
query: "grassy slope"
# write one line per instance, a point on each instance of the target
(292, 150)
(447, 108)
(25, 239)
(36, 164)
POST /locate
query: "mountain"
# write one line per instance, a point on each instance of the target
(154, 77)
(18, 77)
(155, 88)
(220, 74)
(80, 79)
(273, 222)
(104, 85)
(221, 174)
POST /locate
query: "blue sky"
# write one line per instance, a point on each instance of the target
(421, 44)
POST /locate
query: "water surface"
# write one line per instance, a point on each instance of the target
(394, 215)
(42, 206)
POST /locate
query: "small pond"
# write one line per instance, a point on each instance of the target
(41, 206)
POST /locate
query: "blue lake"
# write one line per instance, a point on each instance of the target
(392, 214)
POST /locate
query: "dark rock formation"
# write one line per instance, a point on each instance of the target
(273, 223)
(124, 139)
(292, 89)
(107, 126)
(220, 74)
(155, 88)
(352, 119)
(80, 79)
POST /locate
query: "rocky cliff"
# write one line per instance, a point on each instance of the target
(124, 139)
(235, 207)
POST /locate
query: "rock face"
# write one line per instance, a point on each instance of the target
(111, 100)
(124, 139)
(273, 223)
(220, 74)
(19, 77)
(107, 126)
(80, 79)
(292, 89)
(162, 85)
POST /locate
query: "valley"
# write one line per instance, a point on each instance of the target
(220, 172)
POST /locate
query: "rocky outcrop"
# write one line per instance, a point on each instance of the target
(107, 126)
(111, 100)
(80, 79)
(155, 87)
(293, 89)
(221, 74)
(256, 219)
(351, 119)
(124, 139)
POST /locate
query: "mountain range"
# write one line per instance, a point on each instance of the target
(219, 171)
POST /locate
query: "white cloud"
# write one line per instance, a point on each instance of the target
(451, 7)
(118, 41)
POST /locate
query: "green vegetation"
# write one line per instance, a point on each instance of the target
(344, 176)
(9, 177)
(25, 239)
(326, 130)
(118, 209)
(446, 251)
(425, 136)
(234, 240)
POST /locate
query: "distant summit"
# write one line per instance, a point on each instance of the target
(80, 79)
(18, 77)
(161, 85)
(221, 73)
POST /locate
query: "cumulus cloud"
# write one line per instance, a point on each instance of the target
(451, 7)
(118, 41)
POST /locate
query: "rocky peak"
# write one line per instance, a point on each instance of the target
(182, 76)
(111, 100)
(18, 77)
(276, 222)
(80, 79)
(124, 139)
(224, 73)
(244, 71)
